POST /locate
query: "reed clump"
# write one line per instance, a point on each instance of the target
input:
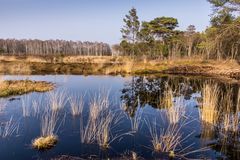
(57, 99)
(77, 104)
(175, 113)
(165, 140)
(100, 123)
(209, 112)
(49, 127)
(167, 100)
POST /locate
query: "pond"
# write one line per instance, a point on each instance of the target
(130, 117)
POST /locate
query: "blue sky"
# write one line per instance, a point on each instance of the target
(91, 20)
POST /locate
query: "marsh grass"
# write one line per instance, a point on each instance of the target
(168, 139)
(164, 140)
(230, 119)
(50, 124)
(3, 104)
(167, 100)
(136, 120)
(100, 123)
(175, 113)
(57, 99)
(8, 128)
(77, 104)
(89, 129)
(26, 106)
(20, 87)
(209, 111)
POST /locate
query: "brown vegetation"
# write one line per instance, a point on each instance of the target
(119, 65)
(43, 143)
(19, 87)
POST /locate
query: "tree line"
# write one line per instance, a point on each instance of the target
(160, 37)
(52, 48)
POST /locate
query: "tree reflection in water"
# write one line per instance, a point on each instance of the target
(162, 92)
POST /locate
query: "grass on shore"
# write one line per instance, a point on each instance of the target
(114, 65)
(20, 87)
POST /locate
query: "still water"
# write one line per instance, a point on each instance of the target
(201, 115)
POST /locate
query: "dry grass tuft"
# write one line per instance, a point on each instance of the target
(101, 121)
(49, 127)
(44, 143)
(165, 140)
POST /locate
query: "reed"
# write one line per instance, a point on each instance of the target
(136, 120)
(35, 108)
(164, 140)
(230, 121)
(3, 104)
(101, 121)
(167, 100)
(57, 99)
(88, 130)
(9, 128)
(77, 104)
(209, 112)
(49, 126)
(26, 104)
(175, 113)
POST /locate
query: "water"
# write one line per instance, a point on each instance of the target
(149, 97)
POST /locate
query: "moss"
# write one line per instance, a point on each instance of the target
(19, 87)
(44, 143)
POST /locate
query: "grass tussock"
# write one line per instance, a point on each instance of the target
(49, 126)
(43, 143)
(19, 87)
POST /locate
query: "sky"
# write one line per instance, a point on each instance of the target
(91, 20)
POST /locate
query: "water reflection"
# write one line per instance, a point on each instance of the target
(218, 106)
(202, 114)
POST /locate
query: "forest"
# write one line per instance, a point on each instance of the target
(160, 38)
(52, 48)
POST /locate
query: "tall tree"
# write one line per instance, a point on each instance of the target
(131, 28)
(160, 28)
(190, 32)
(230, 5)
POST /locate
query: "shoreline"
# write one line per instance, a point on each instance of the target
(107, 65)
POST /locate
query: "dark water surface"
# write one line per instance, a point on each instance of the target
(149, 98)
